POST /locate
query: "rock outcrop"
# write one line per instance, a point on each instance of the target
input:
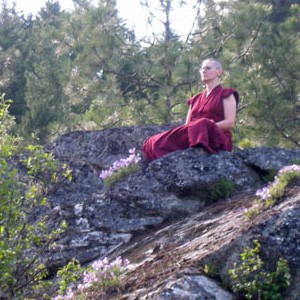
(175, 200)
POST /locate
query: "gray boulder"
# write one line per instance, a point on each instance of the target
(188, 204)
(102, 219)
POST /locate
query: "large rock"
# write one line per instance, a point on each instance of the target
(169, 260)
(101, 220)
(266, 159)
(191, 287)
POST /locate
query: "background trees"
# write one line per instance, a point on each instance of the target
(258, 41)
(14, 31)
(267, 52)
(86, 70)
(47, 71)
(101, 48)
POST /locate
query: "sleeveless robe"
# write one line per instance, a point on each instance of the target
(201, 129)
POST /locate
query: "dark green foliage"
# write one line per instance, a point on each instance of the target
(14, 32)
(86, 70)
(295, 161)
(222, 189)
(47, 72)
(101, 49)
(269, 176)
(211, 270)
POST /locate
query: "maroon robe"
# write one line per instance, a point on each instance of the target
(201, 129)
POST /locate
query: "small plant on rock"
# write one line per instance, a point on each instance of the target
(97, 279)
(210, 270)
(68, 275)
(222, 189)
(250, 279)
(275, 190)
(121, 168)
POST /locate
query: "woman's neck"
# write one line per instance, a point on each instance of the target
(210, 86)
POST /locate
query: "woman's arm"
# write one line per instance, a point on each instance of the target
(187, 120)
(229, 104)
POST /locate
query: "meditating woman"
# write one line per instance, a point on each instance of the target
(209, 121)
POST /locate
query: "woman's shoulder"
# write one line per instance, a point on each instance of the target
(227, 91)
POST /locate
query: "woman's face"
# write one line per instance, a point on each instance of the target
(209, 72)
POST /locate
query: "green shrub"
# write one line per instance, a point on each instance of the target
(69, 274)
(253, 211)
(210, 270)
(22, 243)
(250, 280)
(222, 189)
(269, 176)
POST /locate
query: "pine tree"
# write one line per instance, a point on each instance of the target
(46, 69)
(100, 45)
(14, 30)
(166, 72)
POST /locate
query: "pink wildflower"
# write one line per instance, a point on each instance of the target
(133, 158)
(265, 193)
(291, 168)
(103, 271)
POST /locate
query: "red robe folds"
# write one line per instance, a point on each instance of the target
(200, 130)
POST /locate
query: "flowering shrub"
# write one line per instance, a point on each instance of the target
(121, 168)
(276, 189)
(101, 276)
(269, 194)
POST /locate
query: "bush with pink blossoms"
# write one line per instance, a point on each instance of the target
(275, 190)
(121, 168)
(104, 274)
(98, 278)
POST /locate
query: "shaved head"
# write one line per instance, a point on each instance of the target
(215, 62)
